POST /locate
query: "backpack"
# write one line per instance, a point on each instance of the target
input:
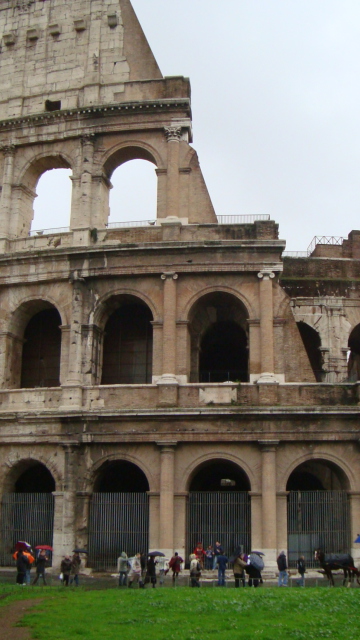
(256, 561)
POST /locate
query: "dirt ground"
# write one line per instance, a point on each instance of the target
(10, 615)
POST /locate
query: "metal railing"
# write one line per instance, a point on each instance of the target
(243, 219)
(48, 232)
(329, 240)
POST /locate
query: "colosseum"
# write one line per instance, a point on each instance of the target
(165, 383)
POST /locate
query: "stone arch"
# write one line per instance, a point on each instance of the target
(26, 307)
(33, 349)
(16, 468)
(185, 312)
(207, 459)
(130, 150)
(92, 473)
(24, 192)
(219, 342)
(99, 314)
(311, 339)
(339, 463)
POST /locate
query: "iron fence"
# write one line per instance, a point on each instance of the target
(243, 219)
(117, 522)
(25, 516)
(317, 519)
(222, 516)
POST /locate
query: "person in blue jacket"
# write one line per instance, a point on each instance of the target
(222, 561)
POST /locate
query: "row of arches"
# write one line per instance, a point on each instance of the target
(123, 344)
(218, 508)
(219, 475)
(126, 201)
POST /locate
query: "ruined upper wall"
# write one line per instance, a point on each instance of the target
(79, 52)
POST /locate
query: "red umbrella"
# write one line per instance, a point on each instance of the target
(45, 547)
(22, 546)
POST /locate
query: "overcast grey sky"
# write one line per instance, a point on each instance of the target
(275, 96)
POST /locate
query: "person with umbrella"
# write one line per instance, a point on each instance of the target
(22, 564)
(40, 566)
(27, 552)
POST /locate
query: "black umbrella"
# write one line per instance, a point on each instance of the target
(152, 554)
(80, 551)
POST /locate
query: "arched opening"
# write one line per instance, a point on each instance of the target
(27, 510)
(121, 476)
(312, 344)
(119, 514)
(354, 355)
(41, 350)
(133, 196)
(219, 339)
(318, 510)
(128, 343)
(52, 212)
(219, 507)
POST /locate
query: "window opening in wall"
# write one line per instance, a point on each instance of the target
(41, 351)
(52, 105)
(224, 353)
(312, 344)
(52, 205)
(127, 353)
(134, 193)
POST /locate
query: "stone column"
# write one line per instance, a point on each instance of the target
(167, 471)
(173, 136)
(65, 508)
(5, 202)
(266, 327)
(181, 501)
(82, 520)
(282, 528)
(168, 382)
(268, 510)
(72, 389)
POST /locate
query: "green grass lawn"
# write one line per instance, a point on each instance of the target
(191, 614)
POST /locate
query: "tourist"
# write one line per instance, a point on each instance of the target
(200, 553)
(239, 570)
(163, 567)
(175, 566)
(75, 568)
(195, 570)
(135, 571)
(22, 564)
(65, 569)
(151, 571)
(302, 570)
(222, 561)
(217, 550)
(282, 566)
(209, 557)
(40, 566)
(123, 568)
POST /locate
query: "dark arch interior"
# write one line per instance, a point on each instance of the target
(312, 344)
(220, 476)
(354, 359)
(121, 476)
(35, 479)
(223, 353)
(317, 475)
(127, 353)
(41, 350)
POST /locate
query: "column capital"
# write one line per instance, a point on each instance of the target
(173, 133)
(268, 445)
(169, 275)
(265, 275)
(89, 138)
(8, 149)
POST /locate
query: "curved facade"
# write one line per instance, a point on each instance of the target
(154, 375)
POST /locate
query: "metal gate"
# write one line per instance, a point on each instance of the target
(117, 522)
(317, 519)
(219, 515)
(25, 516)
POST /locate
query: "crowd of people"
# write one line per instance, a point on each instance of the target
(26, 559)
(143, 570)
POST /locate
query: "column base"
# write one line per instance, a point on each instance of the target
(71, 397)
(267, 378)
(167, 391)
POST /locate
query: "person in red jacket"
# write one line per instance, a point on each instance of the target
(200, 553)
(175, 565)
